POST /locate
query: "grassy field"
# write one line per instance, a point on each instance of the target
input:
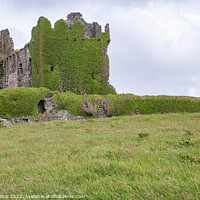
(133, 157)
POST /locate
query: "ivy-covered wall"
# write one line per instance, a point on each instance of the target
(64, 60)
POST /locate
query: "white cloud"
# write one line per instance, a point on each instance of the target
(155, 44)
(193, 92)
(157, 48)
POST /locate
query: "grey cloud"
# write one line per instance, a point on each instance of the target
(31, 5)
(142, 60)
(46, 4)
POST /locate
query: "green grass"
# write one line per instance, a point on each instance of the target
(133, 157)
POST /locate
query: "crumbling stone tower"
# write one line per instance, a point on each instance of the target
(6, 48)
(72, 56)
(6, 44)
(15, 66)
(91, 30)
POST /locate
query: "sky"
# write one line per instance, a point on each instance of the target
(155, 44)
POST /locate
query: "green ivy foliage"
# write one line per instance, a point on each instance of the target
(70, 102)
(18, 102)
(63, 58)
(125, 104)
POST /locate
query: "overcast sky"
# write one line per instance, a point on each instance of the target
(155, 47)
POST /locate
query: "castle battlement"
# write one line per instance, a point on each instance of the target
(92, 30)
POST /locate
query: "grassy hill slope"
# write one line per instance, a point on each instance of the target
(134, 157)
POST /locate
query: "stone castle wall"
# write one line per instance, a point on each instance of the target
(15, 65)
(17, 68)
(6, 44)
(91, 30)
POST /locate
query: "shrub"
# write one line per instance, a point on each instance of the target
(17, 102)
(70, 102)
(125, 104)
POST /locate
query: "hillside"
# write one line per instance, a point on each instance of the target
(133, 157)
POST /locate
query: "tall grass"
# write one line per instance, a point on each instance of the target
(134, 157)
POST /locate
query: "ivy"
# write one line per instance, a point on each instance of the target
(125, 104)
(17, 102)
(64, 60)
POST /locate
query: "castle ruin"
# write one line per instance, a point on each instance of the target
(15, 65)
(91, 30)
(70, 57)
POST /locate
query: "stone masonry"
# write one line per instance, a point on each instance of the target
(91, 30)
(15, 65)
(6, 44)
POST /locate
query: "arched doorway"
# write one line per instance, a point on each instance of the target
(41, 108)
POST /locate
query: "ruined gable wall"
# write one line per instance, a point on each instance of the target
(6, 49)
(15, 66)
(6, 44)
(18, 69)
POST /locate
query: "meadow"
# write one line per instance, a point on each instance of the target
(130, 157)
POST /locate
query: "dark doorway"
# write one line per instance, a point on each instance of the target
(41, 108)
